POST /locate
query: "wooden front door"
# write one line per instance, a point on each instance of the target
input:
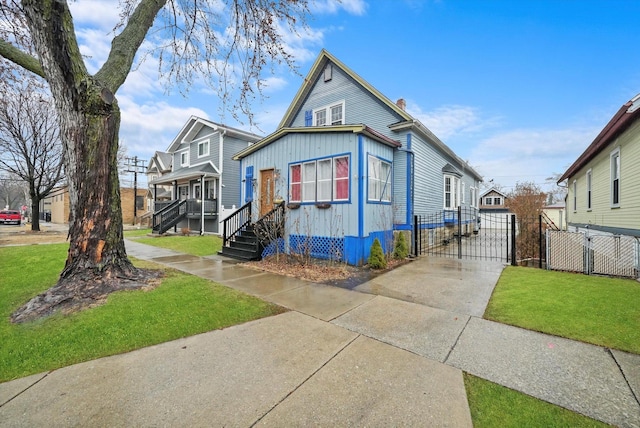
(267, 190)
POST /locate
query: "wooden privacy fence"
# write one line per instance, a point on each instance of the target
(615, 255)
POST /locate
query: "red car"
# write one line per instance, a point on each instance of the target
(10, 216)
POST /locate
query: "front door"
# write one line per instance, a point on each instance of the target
(267, 189)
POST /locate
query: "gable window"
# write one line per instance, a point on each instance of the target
(332, 114)
(184, 159)
(589, 190)
(497, 201)
(379, 180)
(451, 192)
(321, 180)
(488, 201)
(615, 178)
(203, 149)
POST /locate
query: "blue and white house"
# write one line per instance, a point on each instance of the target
(195, 181)
(348, 165)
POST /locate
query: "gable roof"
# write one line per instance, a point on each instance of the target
(406, 120)
(316, 69)
(356, 129)
(161, 160)
(620, 122)
(195, 124)
(493, 189)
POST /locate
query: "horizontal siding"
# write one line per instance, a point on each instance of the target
(231, 172)
(602, 214)
(300, 147)
(360, 105)
(377, 217)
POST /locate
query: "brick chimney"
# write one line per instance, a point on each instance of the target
(401, 103)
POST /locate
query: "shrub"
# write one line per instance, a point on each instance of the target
(376, 256)
(400, 249)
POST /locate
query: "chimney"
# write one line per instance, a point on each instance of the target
(401, 103)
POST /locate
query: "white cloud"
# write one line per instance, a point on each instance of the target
(447, 121)
(149, 127)
(103, 14)
(354, 7)
(529, 155)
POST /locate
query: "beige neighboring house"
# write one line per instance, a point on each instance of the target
(604, 182)
(57, 203)
(556, 214)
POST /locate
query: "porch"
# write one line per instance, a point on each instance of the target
(188, 213)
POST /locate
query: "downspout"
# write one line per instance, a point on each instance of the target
(221, 169)
(201, 205)
(361, 198)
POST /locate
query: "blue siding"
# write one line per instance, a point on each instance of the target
(360, 105)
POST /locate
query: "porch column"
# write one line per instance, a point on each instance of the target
(202, 205)
(175, 198)
(155, 196)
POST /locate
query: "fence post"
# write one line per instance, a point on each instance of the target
(513, 240)
(459, 232)
(416, 229)
(540, 241)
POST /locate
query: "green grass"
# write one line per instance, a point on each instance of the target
(599, 310)
(181, 306)
(196, 245)
(493, 405)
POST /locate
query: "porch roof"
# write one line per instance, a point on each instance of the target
(207, 170)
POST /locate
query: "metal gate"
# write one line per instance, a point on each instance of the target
(468, 233)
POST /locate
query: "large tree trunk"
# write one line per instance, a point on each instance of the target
(97, 262)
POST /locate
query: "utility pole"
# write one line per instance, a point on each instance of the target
(134, 165)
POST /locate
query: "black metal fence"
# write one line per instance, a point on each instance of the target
(469, 233)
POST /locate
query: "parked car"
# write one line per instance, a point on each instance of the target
(10, 216)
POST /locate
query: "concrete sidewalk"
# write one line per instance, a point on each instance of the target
(389, 354)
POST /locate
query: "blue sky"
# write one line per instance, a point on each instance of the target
(517, 88)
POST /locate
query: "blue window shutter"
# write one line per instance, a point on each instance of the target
(308, 118)
(248, 184)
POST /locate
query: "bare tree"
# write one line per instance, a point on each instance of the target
(11, 191)
(29, 144)
(233, 40)
(526, 201)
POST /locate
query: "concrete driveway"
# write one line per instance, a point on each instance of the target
(458, 286)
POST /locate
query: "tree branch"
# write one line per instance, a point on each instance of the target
(125, 45)
(22, 59)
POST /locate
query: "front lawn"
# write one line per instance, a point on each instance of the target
(195, 245)
(182, 305)
(493, 405)
(599, 310)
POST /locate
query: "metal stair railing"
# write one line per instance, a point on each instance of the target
(271, 225)
(169, 216)
(236, 222)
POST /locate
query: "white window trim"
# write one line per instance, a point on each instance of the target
(304, 198)
(385, 182)
(589, 188)
(463, 193)
(613, 154)
(327, 110)
(186, 163)
(454, 190)
(575, 196)
(208, 143)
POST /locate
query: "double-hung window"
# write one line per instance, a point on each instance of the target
(332, 114)
(203, 149)
(589, 175)
(379, 180)
(321, 180)
(451, 192)
(615, 178)
(184, 158)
